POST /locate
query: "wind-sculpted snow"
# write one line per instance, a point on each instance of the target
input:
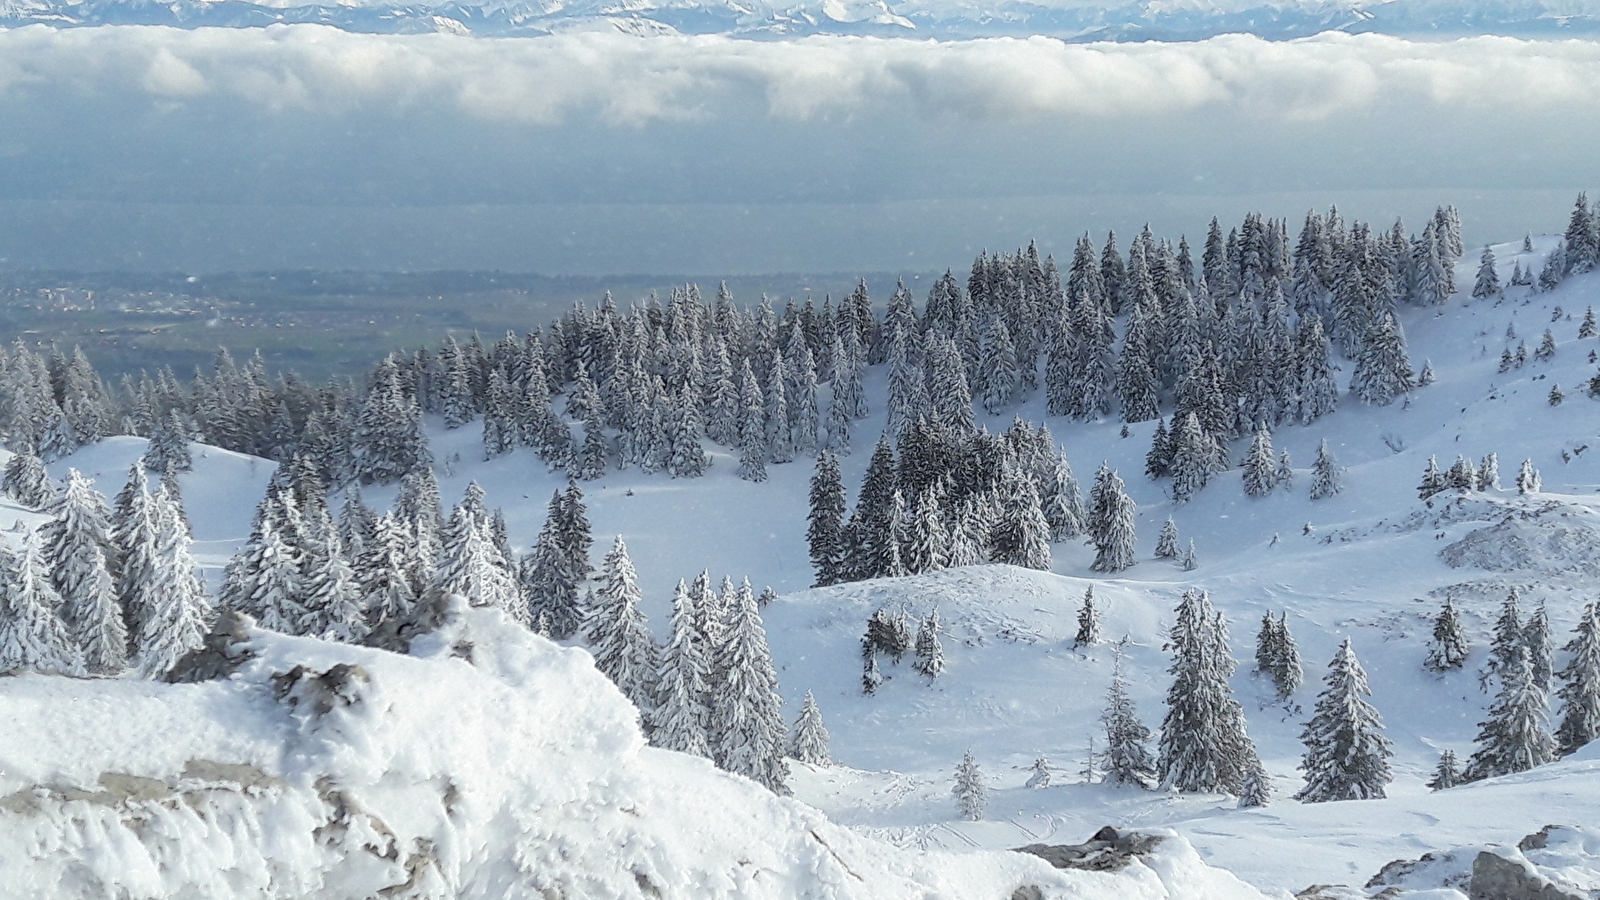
(490, 764)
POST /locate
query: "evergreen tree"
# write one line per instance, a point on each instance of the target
(969, 790)
(753, 446)
(383, 581)
(1127, 757)
(470, 563)
(1536, 637)
(1193, 458)
(26, 481)
(1446, 775)
(1448, 648)
(998, 370)
(1586, 328)
(172, 610)
(1111, 523)
(1580, 685)
(329, 591)
(929, 660)
(868, 537)
(1326, 476)
(1204, 746)
(1382, 369)
(1488, 283)
(682, 717)
(1259, 472)
(1021, 535)
(1489, 473)
(1256, 790)
(747, 723)
(1063, 502)
(1188, 562)
(1433, 480)
(809, 741)
(617, 631)
(167, 454)
(825, 523)
(1506, 644)
(1528, 481)
(1346, 757)
(1284, 476)
(1167, 540)
(75, 546)
(1516, 736)
(32, 636)
(1088, 621)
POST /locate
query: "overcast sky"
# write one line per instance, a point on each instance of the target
(309, 147)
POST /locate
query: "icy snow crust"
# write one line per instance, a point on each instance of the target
(1374, 565)
(491, 764)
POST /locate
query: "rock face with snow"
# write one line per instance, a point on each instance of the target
(488, 763)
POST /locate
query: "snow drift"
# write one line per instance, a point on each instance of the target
(488, 763)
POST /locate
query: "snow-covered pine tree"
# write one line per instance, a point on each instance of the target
(1346, 758)
(1088, 621)
(1326, 476)
(1188, 562)
(1127, 756)
(1528, 481)
(618, 634)
(1204, 745)
(1020, 535)
(1433, 480)
(1447, 774)
(1541, 655)
(969, 791)
(1547, 347)
(868, 537)
(1167, 540)
(1193, 458)
(26, 480)
(1448, 647)
(1258, 464)
(1580, 685)
(1062, 503)
(75, 547)
(167, 454)
(998, 372)
(1112, 523)
(1516, 736)
(1426, 376)
(871, 678)
(825, 522)
(1487, 285)
(808, 742)
(329, 591)
(32, 636)
(471, 565)
(1382, 370)
(753, 446)
(1489, 473)
(1506, 644)
(747, 718)
(382, 571)
(929, 661)
(1256, 790)
(1158, 461)
(174, 609)
(682, 717)
(1586, 328)
(1555, 268)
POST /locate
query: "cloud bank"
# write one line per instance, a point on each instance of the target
(629, 81)
(582, 152)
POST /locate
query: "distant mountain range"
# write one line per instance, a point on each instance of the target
(1165, 20)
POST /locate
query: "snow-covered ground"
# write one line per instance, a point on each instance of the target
(1366, 565)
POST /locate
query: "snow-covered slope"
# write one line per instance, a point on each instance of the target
(1372, 564)
(490, 764)
(945, 19)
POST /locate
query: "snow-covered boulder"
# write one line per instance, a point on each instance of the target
(488, 763)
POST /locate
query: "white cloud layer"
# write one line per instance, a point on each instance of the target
(637, 81)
